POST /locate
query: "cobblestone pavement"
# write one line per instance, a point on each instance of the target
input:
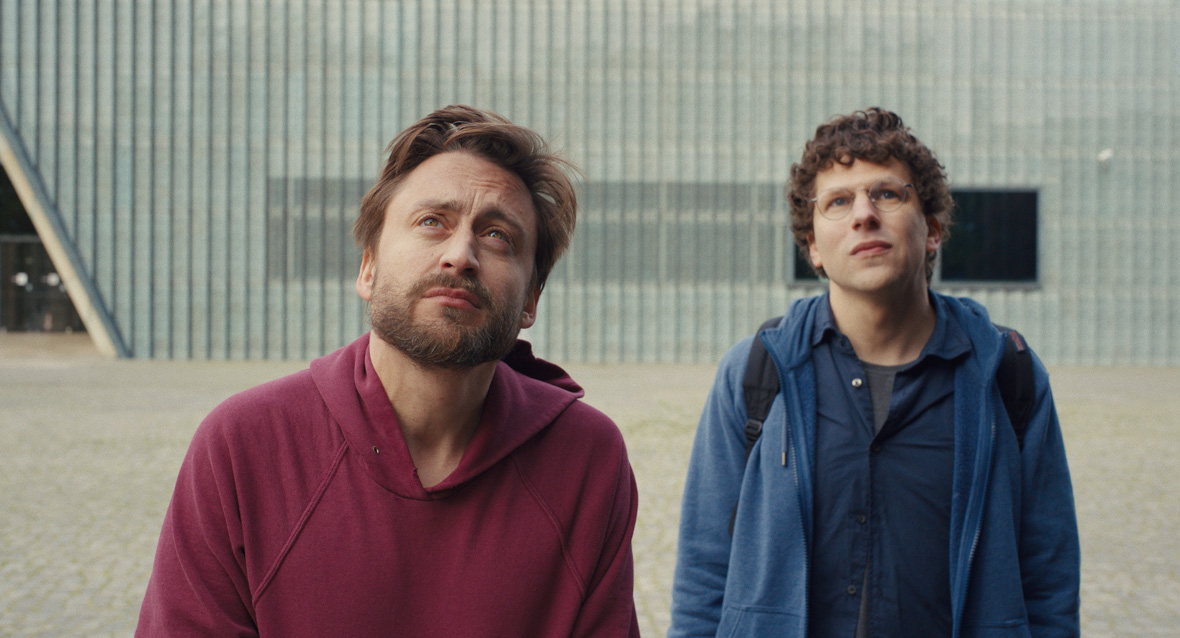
(89, 449)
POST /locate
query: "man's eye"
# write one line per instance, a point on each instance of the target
(499, 235)
(839, 201)
(431, 221)
(886, 192)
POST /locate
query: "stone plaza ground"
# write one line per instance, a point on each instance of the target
(89, 449)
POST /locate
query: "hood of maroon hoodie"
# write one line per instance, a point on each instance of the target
(357, 401)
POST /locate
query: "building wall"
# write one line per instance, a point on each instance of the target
(206, 157)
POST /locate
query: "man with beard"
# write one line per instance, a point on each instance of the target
(433, 478)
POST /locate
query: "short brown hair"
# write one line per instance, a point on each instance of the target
(514, 148)
(873, 135)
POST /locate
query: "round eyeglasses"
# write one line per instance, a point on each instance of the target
(886, 196)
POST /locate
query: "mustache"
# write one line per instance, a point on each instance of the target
(470, 286)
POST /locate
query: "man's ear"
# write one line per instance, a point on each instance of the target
(364, 280)
(528, 316)
(813, 252)
(933, 234)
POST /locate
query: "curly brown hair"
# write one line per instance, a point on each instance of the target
(873, 135)
(516, 149)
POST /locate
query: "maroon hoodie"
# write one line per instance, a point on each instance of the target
(298, 512)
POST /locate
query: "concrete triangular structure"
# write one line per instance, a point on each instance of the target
(47, 220)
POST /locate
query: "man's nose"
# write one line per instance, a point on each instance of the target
(864, 211)
(460, 253)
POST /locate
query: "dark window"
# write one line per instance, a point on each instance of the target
(993, 238)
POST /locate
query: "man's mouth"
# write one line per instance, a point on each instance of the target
(869, 248)
(453, 297)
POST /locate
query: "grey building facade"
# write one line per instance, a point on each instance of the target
(193, 167)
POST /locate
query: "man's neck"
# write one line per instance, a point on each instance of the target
(437, 409)
(885, 329)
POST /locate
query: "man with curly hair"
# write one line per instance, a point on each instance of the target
(889, 493)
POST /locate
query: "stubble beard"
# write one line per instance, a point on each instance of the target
(444, 342)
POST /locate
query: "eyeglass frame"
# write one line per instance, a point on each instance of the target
(872, 202)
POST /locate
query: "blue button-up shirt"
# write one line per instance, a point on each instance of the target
(883, 500)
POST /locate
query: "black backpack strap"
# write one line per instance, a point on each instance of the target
(759, 387)
(1015, 378)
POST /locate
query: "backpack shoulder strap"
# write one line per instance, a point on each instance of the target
(759, 385)
(1015, 378)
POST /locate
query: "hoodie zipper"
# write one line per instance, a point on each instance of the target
(787, 385)
(806, 550)
(792, 450)
(965, 580)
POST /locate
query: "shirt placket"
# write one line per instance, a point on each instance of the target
(863, 520)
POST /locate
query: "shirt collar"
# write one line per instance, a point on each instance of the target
(948, 341)
(825, 323)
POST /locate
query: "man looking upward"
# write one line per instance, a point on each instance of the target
(888, 493)
(433, 478)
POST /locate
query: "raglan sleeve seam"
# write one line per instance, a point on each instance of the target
(300, 525)
(562, 536)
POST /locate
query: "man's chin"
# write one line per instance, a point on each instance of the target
(435, 314)
(445, 345)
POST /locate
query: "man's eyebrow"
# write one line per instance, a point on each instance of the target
(437, 204)
(495, 214)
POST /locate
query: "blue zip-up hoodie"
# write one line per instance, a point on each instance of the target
(1015, 559)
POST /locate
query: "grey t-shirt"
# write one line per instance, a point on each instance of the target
(880, 380)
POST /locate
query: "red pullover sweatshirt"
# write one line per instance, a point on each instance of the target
(298, 512)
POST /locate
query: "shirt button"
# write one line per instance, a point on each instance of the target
(851, 590)
(856, 383)
(876, 447)
(861, 518)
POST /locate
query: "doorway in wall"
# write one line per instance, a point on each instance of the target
(33, 297)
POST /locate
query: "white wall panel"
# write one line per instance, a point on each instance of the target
(206, 157)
